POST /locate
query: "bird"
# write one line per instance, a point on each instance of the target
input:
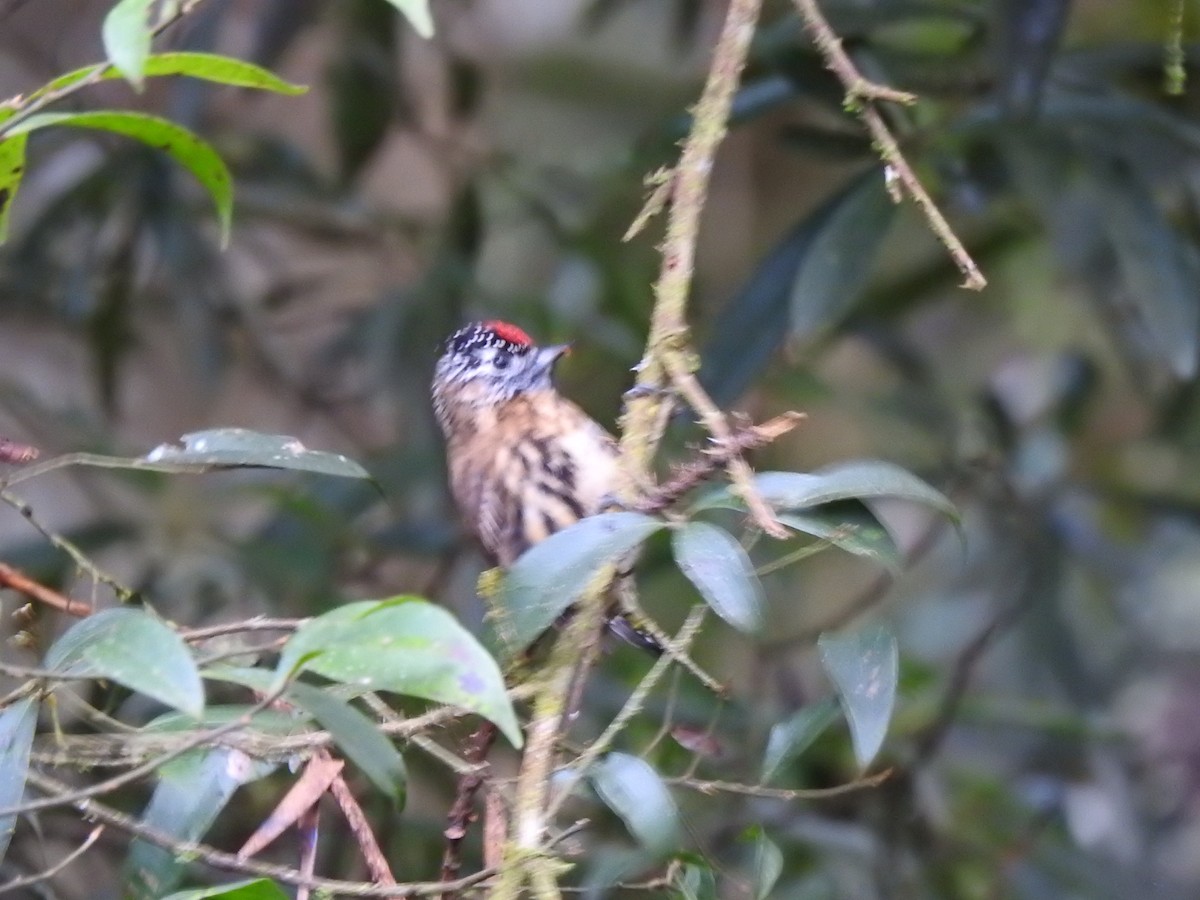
(524, 460)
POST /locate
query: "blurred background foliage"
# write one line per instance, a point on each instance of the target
(1047, 737)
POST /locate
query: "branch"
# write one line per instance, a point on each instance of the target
(759, 790)
(23, 584)
(219, 859)
(861, 96)
(647, 408)
(25, 881)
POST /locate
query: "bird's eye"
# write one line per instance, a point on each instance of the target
(501, 360)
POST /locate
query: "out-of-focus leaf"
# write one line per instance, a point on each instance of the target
(768, 864)
(1030, 31)
(191, 793)
(126, 33)
(17, 724)
(718, 566)
(12, 169)
(695, 881)
(838, 260)
(755, 322)
(1160, 280)
(825, 143)
(552, 573)
(418, 15)
(791, 737)
(849, 525)
(134, 649)
(253, 889)
(358, 737)
(221, 447)
(864, 667)
(859, 480)
(186, 148)
(631, 788)
(365, 88)
(405, 645)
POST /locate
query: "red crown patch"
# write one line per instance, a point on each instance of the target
(509, 332)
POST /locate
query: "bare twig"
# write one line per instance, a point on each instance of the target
(25, 881)
(861, 95)
(377, 864)
(462, 810)
(759, 790)
(219, 859)
(22, 583)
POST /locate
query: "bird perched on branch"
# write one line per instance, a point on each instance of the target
(525, 461)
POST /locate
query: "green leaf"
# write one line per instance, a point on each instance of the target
(631, 788)
(795, 734)
(405, 645)
(418, 15)
(191, 792)
(127, 36)
(864, 667)
(716, 564)
(134, 649)
(848, 524)
(12, 169)
(1160, 281)
(551, 574)
(252, 889)
(228, 447)
(205, 66)
(866, 479)
(183, 146)
(359, 738)
(756, 321)
(17, 724)
(768, 865)
(837, 264)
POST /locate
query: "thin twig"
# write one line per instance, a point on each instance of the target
(25, 881)
(23, 584)
(759, 790)
(199, 739)
(861, 96)
(633, 705)
(360, 827)
(219, 859)
(461, 813)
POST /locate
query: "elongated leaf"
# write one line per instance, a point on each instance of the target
(205, 66)
(17, 724)
(716, 564)
(552, 574)
(1160, 281)
(768, 865)
(795, 734)
(757, 320)
(190, 794)
(222, 447)
(862, 480)
(631, 788)
(834, 271)
(183, 146)
(254, 889)
(358, 737)
(850, 525)
(864, 667)
(126, 34)
(418, 15)
(1030, 31)
(132, 648)
(405, 645)
(12, 170)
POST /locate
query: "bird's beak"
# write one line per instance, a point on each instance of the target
(548, 356)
